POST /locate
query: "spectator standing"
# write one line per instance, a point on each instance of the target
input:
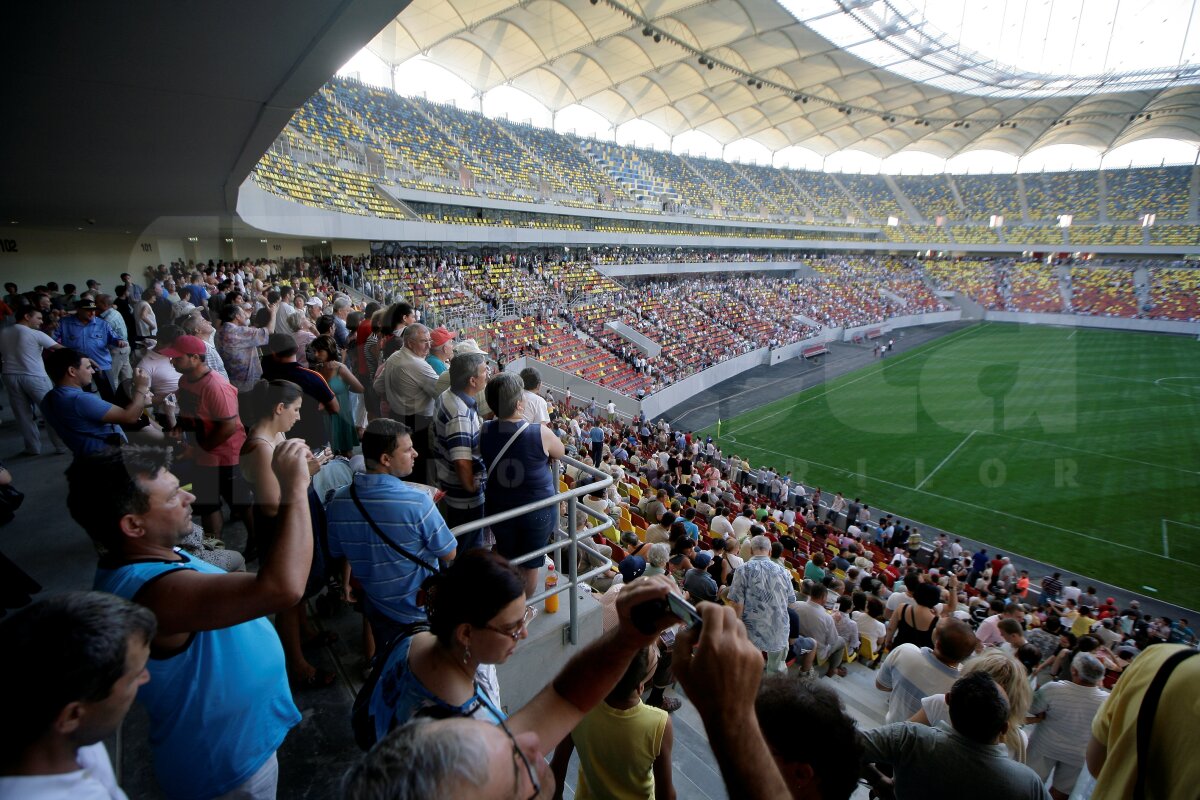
(1062, 713)
(516, 458)
(342, 428)
(120, 369)
(220, 706)
(441, 349)
(624, 745)
(92, 336)
(378, 504)
(761, 593)
(817, 624)
(409, 385)
(280, 364)
(458, 463)
(596, 437)
(341, 310)
(238, 343)
(912, 673)
(83, 658)
(208, 410)
(939, 763)
(536, 411)
(25, 378)
(83, 421)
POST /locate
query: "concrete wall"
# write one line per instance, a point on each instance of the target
(781, 354)
(1084, 321)
(679, 391)
(904, 321)
(690, 268)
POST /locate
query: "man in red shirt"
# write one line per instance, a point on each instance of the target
(208, 411)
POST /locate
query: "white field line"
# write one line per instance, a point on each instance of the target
(864, 376)
(976, 506)
(1093, 453)
(942, 463)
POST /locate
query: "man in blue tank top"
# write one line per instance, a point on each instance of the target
(218, 698)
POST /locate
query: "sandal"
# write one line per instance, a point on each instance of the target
(319, 679)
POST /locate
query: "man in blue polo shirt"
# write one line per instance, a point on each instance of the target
(85, 422)
(404, 514)
(92, 336)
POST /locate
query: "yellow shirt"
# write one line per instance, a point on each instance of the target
(1082, 625)
(617, 749)
(1174, 770)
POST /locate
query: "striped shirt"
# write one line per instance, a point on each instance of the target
(410, 519)
(1069, 709)
(456, 438)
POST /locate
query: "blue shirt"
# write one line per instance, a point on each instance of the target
(408, 516)
(92, 339)
(597, 435)
(77, 417)
(400, 696)
(219, 708)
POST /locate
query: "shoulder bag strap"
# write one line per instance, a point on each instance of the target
(507, 445)
(1145, 719)
(362, 510)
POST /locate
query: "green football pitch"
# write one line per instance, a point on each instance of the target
(1076, 447)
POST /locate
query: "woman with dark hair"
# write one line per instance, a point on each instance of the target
(274, 407)
(343, 434)
(477, 616)
(517, 455)
(914, 622)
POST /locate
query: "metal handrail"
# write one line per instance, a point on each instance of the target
(575, 539)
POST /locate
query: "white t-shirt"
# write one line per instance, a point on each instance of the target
(870, 627)
(93, 781)
(720, 526)
(1070, 593)
(22, 349)
(898, 599)
(536, 409)
(741, 526)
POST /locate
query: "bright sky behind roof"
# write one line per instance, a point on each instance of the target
(420, 76)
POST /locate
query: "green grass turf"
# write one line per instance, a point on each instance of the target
(1069, 446)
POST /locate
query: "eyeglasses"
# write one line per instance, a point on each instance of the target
(520, 754)
(515, 633)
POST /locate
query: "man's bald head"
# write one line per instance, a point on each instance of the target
(953, 640)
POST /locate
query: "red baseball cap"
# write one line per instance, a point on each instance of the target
(439, 336)
(184, 346)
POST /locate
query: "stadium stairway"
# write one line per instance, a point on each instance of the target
(906, 205)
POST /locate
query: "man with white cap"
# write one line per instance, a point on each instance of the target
(443, 381)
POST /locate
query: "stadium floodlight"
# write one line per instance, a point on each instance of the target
(758, 85)
(657, 37)
(647, 31)
(1065, 220)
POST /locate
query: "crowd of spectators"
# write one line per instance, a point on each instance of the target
(350, 441)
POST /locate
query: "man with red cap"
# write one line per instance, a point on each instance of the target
(441, 349)
(208, 411)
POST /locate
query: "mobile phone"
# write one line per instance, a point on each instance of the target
(684, 610)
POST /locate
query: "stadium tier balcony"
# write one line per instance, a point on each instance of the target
(1163, 191)
(301, 182)
(781, 193)
(1103, 292)
(974, 234)
(736, 194)
(933, 234)
(1105, 234)
(828, 200)
(987, 195)
(577, 278)
(426, 286)
(505, 281)
(931, 194)
(1176, 235)
(1050, 194)
(1175, 293)
(874, 195)
(568, 170)
(980, 281)
(688, 188)
(489, 144)
(1050, 235)
(1034, 288)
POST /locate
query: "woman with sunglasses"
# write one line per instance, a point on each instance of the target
(477, 616)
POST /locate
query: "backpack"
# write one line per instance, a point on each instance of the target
(362, 722)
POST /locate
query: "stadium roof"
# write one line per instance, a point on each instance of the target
(882, 78)
(120, 116)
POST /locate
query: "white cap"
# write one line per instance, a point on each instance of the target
(315, 301)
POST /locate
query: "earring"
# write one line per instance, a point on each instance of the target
(467, 655)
